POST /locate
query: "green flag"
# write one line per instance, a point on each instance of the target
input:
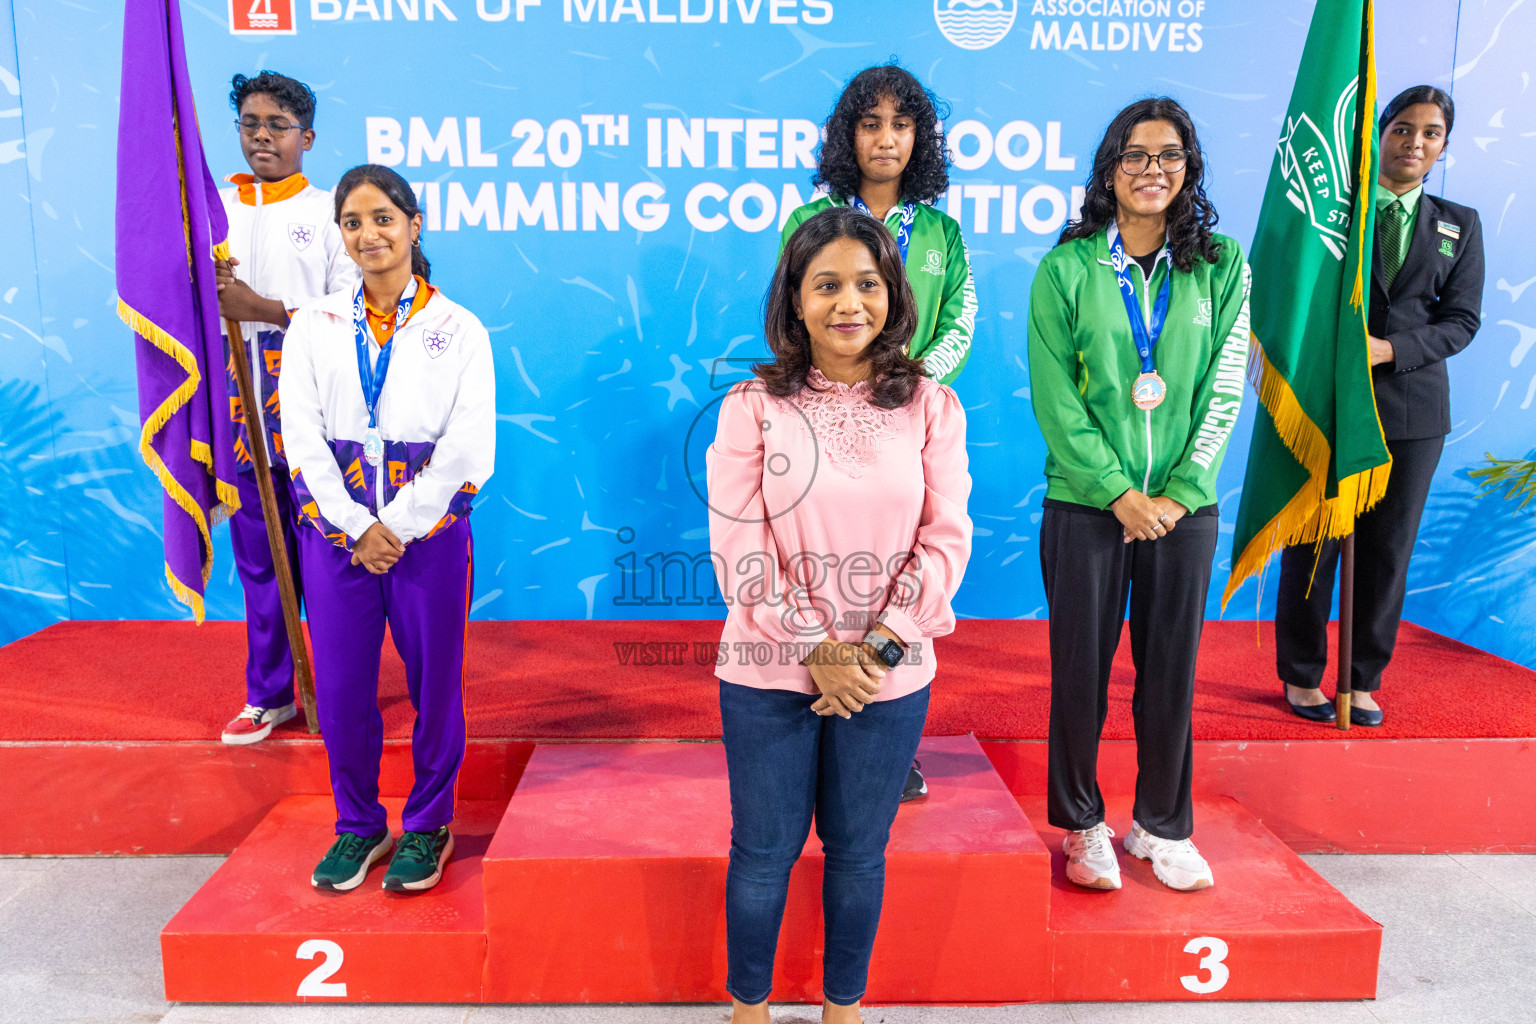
(1317, 458)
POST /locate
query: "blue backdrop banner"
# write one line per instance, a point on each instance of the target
(603, 183)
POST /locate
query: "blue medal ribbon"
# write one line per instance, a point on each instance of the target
(1145, 338)
(903, 230)
(372, 374)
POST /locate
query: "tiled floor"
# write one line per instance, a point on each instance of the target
(79, 944)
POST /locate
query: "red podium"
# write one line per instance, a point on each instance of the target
(603, 881)
(258, 932)
(606, 883)
(1256, 934)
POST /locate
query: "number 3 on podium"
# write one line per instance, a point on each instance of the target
(314, 983)
(1215, 951)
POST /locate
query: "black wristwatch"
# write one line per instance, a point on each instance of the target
(887, 650)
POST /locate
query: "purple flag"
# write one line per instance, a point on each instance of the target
(170, 228)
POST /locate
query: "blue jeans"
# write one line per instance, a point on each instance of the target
(787, 763)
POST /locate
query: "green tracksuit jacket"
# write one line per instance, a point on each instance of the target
(939, 271)
(1083, 361)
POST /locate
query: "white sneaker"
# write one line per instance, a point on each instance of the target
(1091, 859)
(1175, 862)
(254, 724)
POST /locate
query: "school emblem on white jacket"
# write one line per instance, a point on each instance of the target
(301, 235)
(436, 342)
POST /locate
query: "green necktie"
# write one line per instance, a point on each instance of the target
(1393, 230)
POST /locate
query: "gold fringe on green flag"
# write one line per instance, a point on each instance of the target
(1317, 458)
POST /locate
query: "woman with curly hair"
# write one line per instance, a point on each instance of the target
(884, 155)
(1138, 344)
(842, 451)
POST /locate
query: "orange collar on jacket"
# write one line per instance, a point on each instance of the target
(271, 191)
(383, 324)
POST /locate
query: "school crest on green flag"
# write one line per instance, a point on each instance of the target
(1317, 458)
(1316, 168)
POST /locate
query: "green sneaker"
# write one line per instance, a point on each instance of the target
(348, 860)
(419, 861)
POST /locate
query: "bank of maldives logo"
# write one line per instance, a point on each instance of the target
(975, 24)
(264, 17)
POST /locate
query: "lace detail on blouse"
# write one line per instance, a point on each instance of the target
(847, 427)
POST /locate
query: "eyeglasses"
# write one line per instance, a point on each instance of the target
(1170, 160)
(277, 129)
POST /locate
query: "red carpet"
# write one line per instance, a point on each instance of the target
(565, 680)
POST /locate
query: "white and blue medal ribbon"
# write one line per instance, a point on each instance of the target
(1149, 390)
(372, 374)
(903, 230)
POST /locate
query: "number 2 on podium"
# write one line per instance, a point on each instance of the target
(314, 983)
(1215, 951)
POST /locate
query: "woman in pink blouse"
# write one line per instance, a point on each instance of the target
(837, 493)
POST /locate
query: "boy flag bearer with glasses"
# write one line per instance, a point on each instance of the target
(285, 250)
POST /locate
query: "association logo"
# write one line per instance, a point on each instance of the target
(1315, 164)
(301, 235)
(975, 24)
(1203, 318)
(934, 263)
(264, 17)
(436, 342)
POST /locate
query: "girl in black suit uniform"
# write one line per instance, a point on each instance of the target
(1426, 301)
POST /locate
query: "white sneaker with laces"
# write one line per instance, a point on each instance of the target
(1175, 862)
(255, 724)
(1091, 859)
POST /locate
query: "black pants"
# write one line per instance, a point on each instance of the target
(1384, 539)
(1089, 574)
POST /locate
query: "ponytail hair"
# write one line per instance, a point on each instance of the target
(397, 191)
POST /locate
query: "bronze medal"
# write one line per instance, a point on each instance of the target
(1149, 391)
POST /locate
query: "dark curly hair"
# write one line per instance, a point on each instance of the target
(397, 191)
(1191, 217)
(289, 93)
(926, 176)
(895, 375)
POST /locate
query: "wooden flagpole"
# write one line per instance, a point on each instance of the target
(303, 677)
(1346, 627)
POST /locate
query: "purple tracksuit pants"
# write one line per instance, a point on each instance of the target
(268, 659)
(424, 600)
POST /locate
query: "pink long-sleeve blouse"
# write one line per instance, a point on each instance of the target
(828, 514)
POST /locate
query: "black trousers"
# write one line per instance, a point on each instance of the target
(1090, 572)
(1384, 539)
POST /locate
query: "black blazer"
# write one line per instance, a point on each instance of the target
(1431, 313)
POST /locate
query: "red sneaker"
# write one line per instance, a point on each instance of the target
(254, 724)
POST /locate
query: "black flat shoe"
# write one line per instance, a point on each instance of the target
(917, 786)
(1360, 716)
(1323, 712)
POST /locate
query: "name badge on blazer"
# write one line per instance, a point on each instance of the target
(1451, 230)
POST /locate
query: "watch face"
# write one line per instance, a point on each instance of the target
(891, 654)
